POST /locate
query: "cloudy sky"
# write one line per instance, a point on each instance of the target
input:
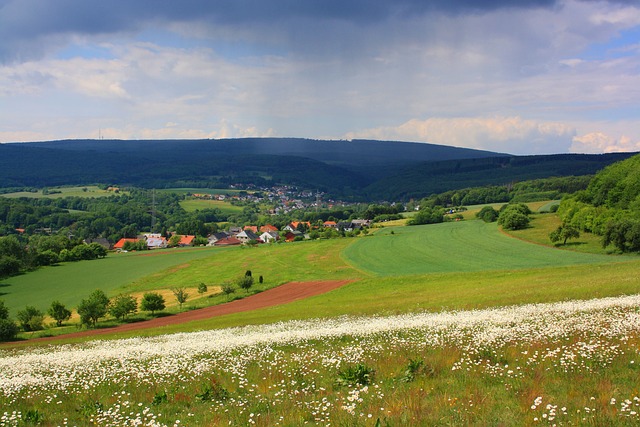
(516, 76)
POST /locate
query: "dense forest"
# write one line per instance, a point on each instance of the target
(358, 171)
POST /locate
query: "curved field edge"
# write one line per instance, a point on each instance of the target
(465, 246)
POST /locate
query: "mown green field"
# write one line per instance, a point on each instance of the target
(464, 246)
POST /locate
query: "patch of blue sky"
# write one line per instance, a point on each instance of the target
(625, 44)
(87, 51)
(228, 49)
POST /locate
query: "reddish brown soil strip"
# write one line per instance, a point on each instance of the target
(282, 294)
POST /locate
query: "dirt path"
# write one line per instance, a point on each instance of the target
(282, 294)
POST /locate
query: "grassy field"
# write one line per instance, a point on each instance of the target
(60, 192)
(463, 246)
(191, 205)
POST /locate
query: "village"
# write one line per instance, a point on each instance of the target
(247, 235)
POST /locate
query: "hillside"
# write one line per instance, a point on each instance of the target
(358, 170)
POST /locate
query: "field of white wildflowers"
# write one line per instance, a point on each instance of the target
(570, 363)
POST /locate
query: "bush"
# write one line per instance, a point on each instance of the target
(245, 282)
(8, 330)
(30, 319)
(487, 214)
(359, 374)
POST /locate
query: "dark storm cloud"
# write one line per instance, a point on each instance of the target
(28, 28)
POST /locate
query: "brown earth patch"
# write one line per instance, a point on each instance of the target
(282, 294)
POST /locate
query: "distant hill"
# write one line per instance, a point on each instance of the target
(358, 169)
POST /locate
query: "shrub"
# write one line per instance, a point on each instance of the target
(228, 289)
(487, 214)
(202, 288)
(359, 374)
(30, 319)
(8, 330)
(245, 282)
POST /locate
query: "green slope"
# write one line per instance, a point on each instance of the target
(465, 246)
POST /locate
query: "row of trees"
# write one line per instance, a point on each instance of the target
(97, 305)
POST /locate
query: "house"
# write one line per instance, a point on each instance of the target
(213, 238)
(246, 236)
(359, 223)
(234, 230)
(291, 235)
(99, 240)
(268, 228)
(120, 243)
(252, 228)
(156, 241)
(228, 241)
(330, 224)
(186, 240)
(294, 225)
(269, 236)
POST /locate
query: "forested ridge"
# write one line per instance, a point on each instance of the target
(356, 170)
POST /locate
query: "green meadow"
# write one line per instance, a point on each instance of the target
(465, 246)
(191, 205)
(60, 192)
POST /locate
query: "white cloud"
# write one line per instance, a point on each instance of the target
(599, 142)
(502, 134)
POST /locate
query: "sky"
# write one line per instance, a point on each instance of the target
(512, 76)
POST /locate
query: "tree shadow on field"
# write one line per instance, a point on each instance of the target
(571, 244)
(5, 285)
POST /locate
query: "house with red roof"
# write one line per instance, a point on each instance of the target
(120, 243)
(186, 240)
(268, 228)
(330, 224)
(228, 241)
(252, 228)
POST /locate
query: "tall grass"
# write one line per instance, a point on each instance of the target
(572, 363)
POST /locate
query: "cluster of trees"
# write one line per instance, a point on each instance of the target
(512, 216)
(90, 310)
(609, 207)
(525, 191)
(20, 254)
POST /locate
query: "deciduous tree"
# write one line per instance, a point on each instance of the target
(93, 308)
(59, 312)
(122, 305)
(152, 301)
